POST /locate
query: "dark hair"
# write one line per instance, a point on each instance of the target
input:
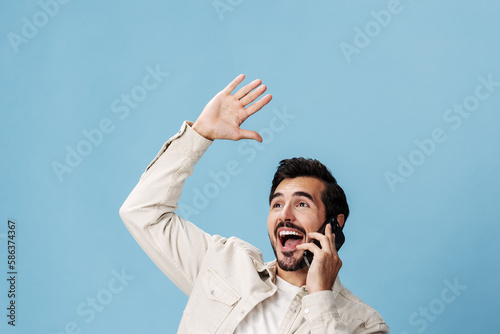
(333, 196)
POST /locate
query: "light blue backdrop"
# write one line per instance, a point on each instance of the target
(401, 99)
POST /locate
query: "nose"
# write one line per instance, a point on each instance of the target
(287, 213)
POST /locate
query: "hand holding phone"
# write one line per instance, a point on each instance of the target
(339, 238)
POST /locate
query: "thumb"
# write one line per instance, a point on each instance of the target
(248, 134)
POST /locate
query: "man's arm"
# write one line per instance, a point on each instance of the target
(175, 245)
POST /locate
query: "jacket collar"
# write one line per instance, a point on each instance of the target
(271, 268)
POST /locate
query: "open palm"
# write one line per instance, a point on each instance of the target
(222, 116)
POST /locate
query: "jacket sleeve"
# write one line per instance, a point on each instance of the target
(175, 245)
(320, 311)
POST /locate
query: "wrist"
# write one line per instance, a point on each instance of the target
(318, 289)
(201, 131)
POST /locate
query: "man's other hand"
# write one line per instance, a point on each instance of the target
(222, 116)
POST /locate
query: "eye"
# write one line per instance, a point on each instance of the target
(277, 205)
(303, 204)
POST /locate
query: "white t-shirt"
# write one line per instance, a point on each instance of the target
(266, 317)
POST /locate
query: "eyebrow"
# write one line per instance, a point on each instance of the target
(297, 193)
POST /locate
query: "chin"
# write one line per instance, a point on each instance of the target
(288, 262)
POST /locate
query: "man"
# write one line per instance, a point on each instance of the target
(230, 288)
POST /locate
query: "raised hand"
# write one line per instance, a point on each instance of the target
(222, 116)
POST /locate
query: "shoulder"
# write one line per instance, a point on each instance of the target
(235, 249)
(248, 248)
(353, 310)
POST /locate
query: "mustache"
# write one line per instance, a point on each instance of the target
(290, 225)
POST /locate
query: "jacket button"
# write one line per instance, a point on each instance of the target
(306, 311)
(212, 292)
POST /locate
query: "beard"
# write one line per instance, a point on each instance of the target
(288, 262)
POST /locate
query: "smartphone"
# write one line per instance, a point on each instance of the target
(339, 238)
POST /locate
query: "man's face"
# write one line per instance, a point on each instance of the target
(296, 209)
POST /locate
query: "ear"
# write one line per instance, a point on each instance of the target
(341, 219)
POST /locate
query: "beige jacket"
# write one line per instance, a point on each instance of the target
(224, 278)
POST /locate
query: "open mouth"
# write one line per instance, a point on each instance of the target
(289, 238)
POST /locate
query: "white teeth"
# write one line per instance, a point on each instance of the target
(282, 233)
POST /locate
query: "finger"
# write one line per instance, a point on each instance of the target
(234, 83)
(331, 236)
(323, 240)
(249, 98)
(248, 134)
(248, 88)
(308, 246)
(258, 105)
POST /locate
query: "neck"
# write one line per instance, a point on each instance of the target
(297, 278)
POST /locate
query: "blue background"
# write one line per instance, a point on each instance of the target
(358, 113)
